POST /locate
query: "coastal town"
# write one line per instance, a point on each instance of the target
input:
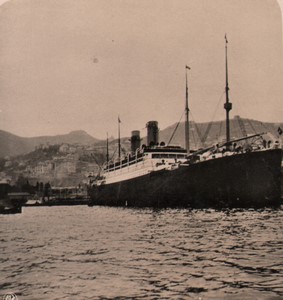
(71, 163)
(60, 164)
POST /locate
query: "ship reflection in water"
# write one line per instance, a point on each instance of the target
(106, 252)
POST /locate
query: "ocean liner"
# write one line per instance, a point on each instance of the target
(224, 175)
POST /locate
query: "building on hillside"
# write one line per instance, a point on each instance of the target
(64, 148)
(72, 149)
(8, 164)
(66, 166)
(42, 146)
(42, 168)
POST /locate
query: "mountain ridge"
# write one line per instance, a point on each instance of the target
(12, 145)
(239, 127)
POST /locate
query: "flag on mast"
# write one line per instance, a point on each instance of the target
(226, 39)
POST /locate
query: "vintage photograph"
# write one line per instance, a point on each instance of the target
(141, 149)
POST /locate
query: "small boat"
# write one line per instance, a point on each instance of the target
(159, 175)
(11, 202)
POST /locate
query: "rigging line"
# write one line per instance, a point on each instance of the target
(202, 137)
(196, 126)
(176, 128)
(250, 123)
(114, 153)
(270, 130)
(105, 163)
(209, 125)
(220, 99)
(111, 159)
(99, 165)
(220, 129)
(193, 134)
(263, 125)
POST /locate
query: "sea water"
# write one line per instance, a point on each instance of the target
(80, 252)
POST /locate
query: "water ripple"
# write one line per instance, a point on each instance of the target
(115, 253)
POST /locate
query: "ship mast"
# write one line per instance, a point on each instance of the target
(227, 104)
(187, 131)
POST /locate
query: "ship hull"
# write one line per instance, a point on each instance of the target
(243, 180)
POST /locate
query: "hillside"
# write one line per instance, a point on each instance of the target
(217, 131)
(11, 145)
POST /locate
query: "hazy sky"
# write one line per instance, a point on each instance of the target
(76, 64)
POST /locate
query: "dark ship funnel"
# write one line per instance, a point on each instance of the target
(135, 140)
(152, 133)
